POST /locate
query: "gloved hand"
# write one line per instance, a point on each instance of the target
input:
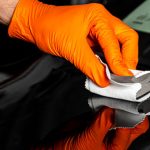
(93, 137)
(69, 31)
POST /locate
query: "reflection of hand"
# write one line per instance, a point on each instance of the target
(69, 31)
(93, 137)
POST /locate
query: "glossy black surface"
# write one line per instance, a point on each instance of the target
(36, 99)
(39, 100)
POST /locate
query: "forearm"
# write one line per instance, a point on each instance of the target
(7, 8)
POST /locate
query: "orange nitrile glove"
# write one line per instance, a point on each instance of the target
(69, 31)
(92, 138)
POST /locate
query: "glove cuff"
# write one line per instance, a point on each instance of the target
(19, 26)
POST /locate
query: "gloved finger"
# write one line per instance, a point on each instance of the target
(89, 64)
(129, 43)
(120, 140)
(138, 130)
(110, 45)
(103, 122)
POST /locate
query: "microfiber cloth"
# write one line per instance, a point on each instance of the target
(128, 95)
(126, 88)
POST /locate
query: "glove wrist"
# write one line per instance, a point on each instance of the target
(21, 25)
